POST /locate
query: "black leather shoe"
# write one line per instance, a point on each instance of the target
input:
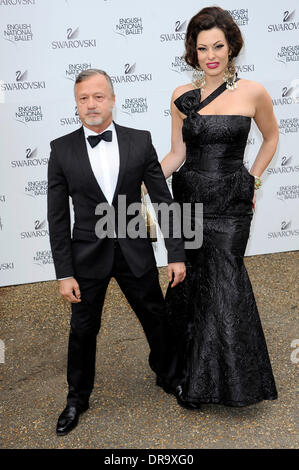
(69, 418)
(185, 404)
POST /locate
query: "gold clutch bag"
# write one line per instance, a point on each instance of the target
(151, 228)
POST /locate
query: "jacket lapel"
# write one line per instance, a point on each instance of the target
(124, 148)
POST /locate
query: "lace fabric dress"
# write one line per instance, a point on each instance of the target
(220, 353)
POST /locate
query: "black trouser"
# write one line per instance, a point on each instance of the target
(146, 299)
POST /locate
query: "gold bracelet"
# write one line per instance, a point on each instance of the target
(257, 182)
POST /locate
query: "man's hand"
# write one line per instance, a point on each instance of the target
(176, 272)
(69, 289)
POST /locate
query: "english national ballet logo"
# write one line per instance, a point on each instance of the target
(128, 27)
(285, 166)
(72, 120)
(289, 23)
(22, 83)
(73, 70)
(72, 40)
(177, 34)
(43, 258)
(28, 114)
(17, 33)
(129, 75)
(288, 192)
(133, 106)
(31, 159)
(289, 95)
(240, 16)
(288, 54)
(38, 230)
(179, 65)
(288, 125)
(36, 188)
(286, 231)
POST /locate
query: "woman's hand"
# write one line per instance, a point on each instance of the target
(254, 200)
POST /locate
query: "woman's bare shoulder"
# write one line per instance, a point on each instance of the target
(254, 88)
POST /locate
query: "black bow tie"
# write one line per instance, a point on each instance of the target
(95, 139)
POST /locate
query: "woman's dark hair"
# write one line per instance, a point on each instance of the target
(207, 18)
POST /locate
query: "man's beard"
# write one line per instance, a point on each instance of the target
(94, 122)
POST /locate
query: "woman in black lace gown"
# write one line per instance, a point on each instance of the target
(220, 351)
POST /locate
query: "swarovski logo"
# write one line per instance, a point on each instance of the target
(178, 34)
(288, 23)
(72, 41)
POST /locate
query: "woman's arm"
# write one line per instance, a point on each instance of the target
(175, 158)
(266, 122)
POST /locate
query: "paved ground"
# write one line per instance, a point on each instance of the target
(127, 409)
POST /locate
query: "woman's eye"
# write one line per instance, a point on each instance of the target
(201, 49)
(219, 46)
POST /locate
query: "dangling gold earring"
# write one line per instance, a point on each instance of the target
(230, 75)
(198, 78)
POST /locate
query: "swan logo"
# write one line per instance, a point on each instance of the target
(285, 167)
(73, 120)
(31, 159)
(27, 114)
(288, 192)
(129, 27)
(133, 106)
(289, 23)
(36, 188)
(18, 32)
(72, 41)
(240, 16)
(288, 54)
(178, 33)
(41, 258)
(285, 231)
(39, 230)
(74, 69)
(21, 83)
(179, 65)
(130, 76)
(289, 95)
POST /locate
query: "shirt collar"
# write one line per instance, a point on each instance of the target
(88, 132)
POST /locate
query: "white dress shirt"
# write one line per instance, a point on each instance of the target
(104, 160)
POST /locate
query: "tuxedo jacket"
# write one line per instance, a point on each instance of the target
(79, 252)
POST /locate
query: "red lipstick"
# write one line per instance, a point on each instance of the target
(212, 65)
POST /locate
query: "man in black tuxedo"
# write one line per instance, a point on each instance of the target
(92, 170)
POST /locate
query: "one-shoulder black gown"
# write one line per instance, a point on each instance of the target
(220, 353)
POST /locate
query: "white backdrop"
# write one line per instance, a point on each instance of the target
(44, 44)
